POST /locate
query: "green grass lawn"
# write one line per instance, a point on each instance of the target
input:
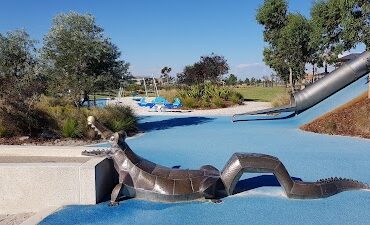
(263, 94)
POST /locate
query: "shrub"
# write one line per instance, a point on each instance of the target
(71, 121)
(116, 118)
(208, 95)
(169, 94)
(218, 102)
(189, 102)
(281, 99)
(51, 102)
(3, 131)
(236, 98)
(70, 129)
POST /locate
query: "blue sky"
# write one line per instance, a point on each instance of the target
(155, 33)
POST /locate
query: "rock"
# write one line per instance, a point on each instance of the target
(24, 138)
(46, 134)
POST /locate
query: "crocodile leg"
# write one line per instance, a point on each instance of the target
(115, 194)
(240, 163)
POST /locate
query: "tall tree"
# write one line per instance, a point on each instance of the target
(231, 80)
(165, 73)
(20, 82)
(247, 81)
(293, 45)
(339, 25)
(79, 59)
(273, 16)
(209, 68)
(325, 37)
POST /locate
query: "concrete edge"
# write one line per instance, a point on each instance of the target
(38, 217)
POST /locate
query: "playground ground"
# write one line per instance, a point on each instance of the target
(194, 141)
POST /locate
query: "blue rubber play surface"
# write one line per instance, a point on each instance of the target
(195, 141)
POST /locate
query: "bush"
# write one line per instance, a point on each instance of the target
(169, 94)
(209, 95)
(69, 121)
(70, 129)
(281, 99)
(3, 131)
(218, 102)
(236, 98)
(116, 118)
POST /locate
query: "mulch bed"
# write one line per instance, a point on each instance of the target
(47, 142)
(351, 119)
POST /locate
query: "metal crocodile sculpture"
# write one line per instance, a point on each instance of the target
(141, 178)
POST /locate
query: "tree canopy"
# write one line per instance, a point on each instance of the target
(293, 41)
(20, 81)
(79, 59)
(209, 68)
(231, 80)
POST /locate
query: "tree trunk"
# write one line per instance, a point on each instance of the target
(291, 79)
(313, 72)
(326, 67)
(94, 99)
(369, 86)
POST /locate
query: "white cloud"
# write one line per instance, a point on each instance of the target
(247, 65)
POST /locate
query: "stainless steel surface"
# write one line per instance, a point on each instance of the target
(323, 88)
(333, 82)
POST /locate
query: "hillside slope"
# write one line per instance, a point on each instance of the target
(350, 119)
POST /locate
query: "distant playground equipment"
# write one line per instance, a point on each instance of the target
(151, 87)
(318, 91)
(161, 103)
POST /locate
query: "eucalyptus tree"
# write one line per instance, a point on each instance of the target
(326, 32)
(355, 21)
(339, 25)
(287, 35)
(273, 16)
(293, 45)
(79, 59)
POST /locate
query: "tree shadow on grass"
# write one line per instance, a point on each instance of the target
(259, 181)
(174, 122)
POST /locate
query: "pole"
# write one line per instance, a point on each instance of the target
(155, 86)
(146, 91)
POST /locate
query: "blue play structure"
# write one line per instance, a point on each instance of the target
(160, 101)
(175, 105)
(195, 141)
(143, 103)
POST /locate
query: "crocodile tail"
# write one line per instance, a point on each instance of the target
(344, 184)
(241, 163)
(324, 188)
